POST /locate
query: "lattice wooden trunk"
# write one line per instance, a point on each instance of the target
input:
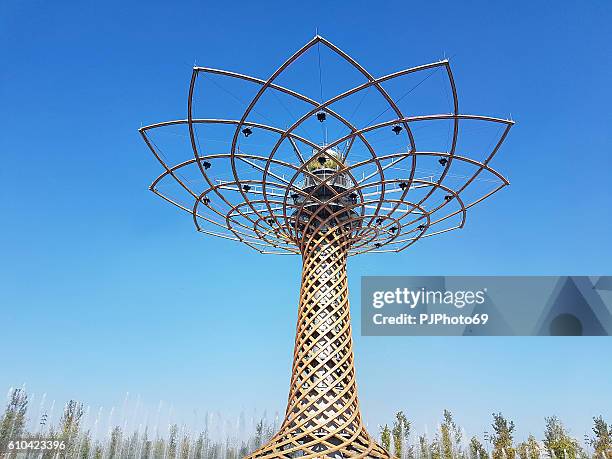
(323, 417)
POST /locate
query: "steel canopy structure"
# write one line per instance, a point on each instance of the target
(315, 199)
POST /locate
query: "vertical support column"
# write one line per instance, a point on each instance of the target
(323, 417)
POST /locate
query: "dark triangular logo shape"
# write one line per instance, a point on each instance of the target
(568, 312)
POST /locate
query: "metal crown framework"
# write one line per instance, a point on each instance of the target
(318, 206)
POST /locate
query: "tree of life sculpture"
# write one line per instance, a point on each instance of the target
(318, 200)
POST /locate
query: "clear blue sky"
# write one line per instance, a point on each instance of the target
(106, 289)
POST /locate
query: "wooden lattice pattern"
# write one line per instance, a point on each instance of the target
(323, 417)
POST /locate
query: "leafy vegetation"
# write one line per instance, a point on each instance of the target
(447, 441)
